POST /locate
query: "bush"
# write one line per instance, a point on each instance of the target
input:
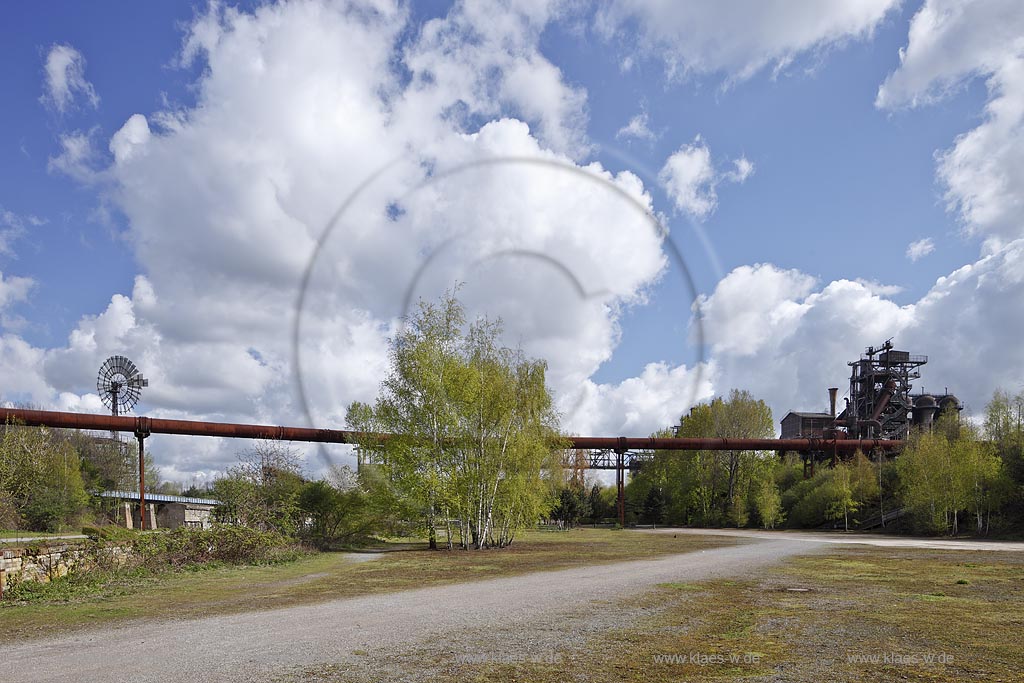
(222, 544)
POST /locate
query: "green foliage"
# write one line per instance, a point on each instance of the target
(832, 494)
(572, 506)
(1004, 427)
(714, 488)
(768, 503)
(654, 506)
(840, 502)
(226, 544)
(108, 464)
(476, 423)
(262, 490)
(40, 479)
(601, 502)
(335, 515)
(949, 471)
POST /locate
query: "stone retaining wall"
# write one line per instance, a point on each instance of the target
(42, 561)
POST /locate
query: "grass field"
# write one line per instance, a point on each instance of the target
(851, 614)
(325, 576)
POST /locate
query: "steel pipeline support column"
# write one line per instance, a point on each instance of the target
(141, 432)
(620, 480)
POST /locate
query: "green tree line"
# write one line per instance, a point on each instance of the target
(953, 478)
(46, 476)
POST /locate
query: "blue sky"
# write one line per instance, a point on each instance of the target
(840, 182)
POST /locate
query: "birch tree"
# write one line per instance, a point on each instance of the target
(476, 443)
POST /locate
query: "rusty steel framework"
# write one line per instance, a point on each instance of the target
(619, 453)
(879, 405)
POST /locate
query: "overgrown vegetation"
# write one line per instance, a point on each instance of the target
(46, 476)
(953, 478)
(41, 484)
(951, 472)
(112, 557)
(477, 458)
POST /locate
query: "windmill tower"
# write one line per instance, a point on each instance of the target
(119, 385)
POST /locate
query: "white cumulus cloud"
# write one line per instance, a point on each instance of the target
(691, 180)
(13, 289)
(950, 43)
(299, 104)
(781, 335)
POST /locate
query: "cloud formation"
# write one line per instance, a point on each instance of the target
(786, 337)
(694, 38)
(918, 249)
(64, 79)
(690, 178)
(298, 105)
(13, 226)
(638, 128)
(949, 44)
(13, 289)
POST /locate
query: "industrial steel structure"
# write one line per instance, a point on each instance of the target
(879, 406)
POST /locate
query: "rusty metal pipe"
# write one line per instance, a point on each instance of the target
(883, 400)
(64, 420)
(693, 444)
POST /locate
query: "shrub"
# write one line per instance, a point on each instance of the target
(184, 547)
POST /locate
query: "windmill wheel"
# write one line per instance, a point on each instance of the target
(119, 384)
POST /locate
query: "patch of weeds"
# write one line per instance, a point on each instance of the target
(934, 597)
(72, 587)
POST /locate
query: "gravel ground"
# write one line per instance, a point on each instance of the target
(508, 617)
(836, 537)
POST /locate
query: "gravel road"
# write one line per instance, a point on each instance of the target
(542, 609)
(838, 538)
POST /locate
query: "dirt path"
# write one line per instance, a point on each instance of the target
(542, 609)
(834, 537)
